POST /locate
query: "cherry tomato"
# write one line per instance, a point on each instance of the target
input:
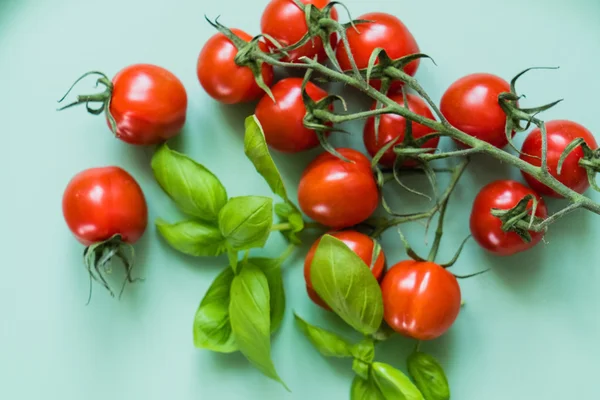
(282, 121)
(392, 126)
(222, 78)
(148, 104)
(471, 105)
(359, 243)
(560, 134)
(285, 22)
(337, 193)
(100, 203)
(386, 32)
(487, 229)
(421, 300)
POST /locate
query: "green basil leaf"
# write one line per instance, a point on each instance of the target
(327, 343)
(249, 312)
(284, 210)
(212, 329)
(364, 350)
(246, 222)
(394, 384)
(256, 149)
(365, 390)
(195, 190)
(193, 238)
(346, 284)
(289, 213)
(272, 270)
(429, 376)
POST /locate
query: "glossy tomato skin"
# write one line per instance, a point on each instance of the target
(99, 203)
(359, 243)
(285, 22)
(393, 126)
(421, 300)
(282, 120)
(471, 105)
(385, 31)
(336, 193)
(560, 134)
(222, 78)
(487, 229)
(148, 103)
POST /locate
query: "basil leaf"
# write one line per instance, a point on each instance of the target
(394, 385)
(246, 221)
(250, 320)
(256, 149)
(365, 390)
(272, 270)
(288, 212)
(364, 350)
(327, 343)
(212, 329)
(284, 210)
(429, 376)
(346, 284)
(195, 190)
(193, 238)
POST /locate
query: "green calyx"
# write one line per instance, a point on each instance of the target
(521, 218)
(590, 161)
(98, 257)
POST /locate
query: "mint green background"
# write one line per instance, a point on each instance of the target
(529, 329)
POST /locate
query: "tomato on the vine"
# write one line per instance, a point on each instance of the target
(560, 134)
(282, 120)
(359, 243)
(100, 203)
(471, 105)
(384, 31)
(285, 22)
(421, 300)
(222, 78)
(392, 126)
(338, 193)
(487, 229)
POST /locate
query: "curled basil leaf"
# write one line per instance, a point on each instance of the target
(365, 390)
(327, 343)
(246, 222)
(364, 350)
(346, 284)
(193, 238)
(394, 384)
(212, 329)
(288, 212)
(429, 376)
(272, 269)
(195, 190)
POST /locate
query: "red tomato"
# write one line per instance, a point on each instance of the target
(282, 121)
(386, 32)
(471, 105)
(99, 203)
(336, 193)
(222, 78)
(392, 126)
(560, 134)
(359, 243)
(487, 229)
(148, 104)
(421, 300)
(285, 22)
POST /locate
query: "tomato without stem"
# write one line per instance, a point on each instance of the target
(100, 203)
(421, 300)
(282, 120)
(337, 193)
(471, 105)
(392, 126)
(487, 229)
(359, 243)
(385, 31)
(560, 134)
(222, 78)
(285, 22)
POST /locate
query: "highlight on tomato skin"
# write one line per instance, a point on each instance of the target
(336, 193)
(560, 133)
(360, 244)
(421, 300)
